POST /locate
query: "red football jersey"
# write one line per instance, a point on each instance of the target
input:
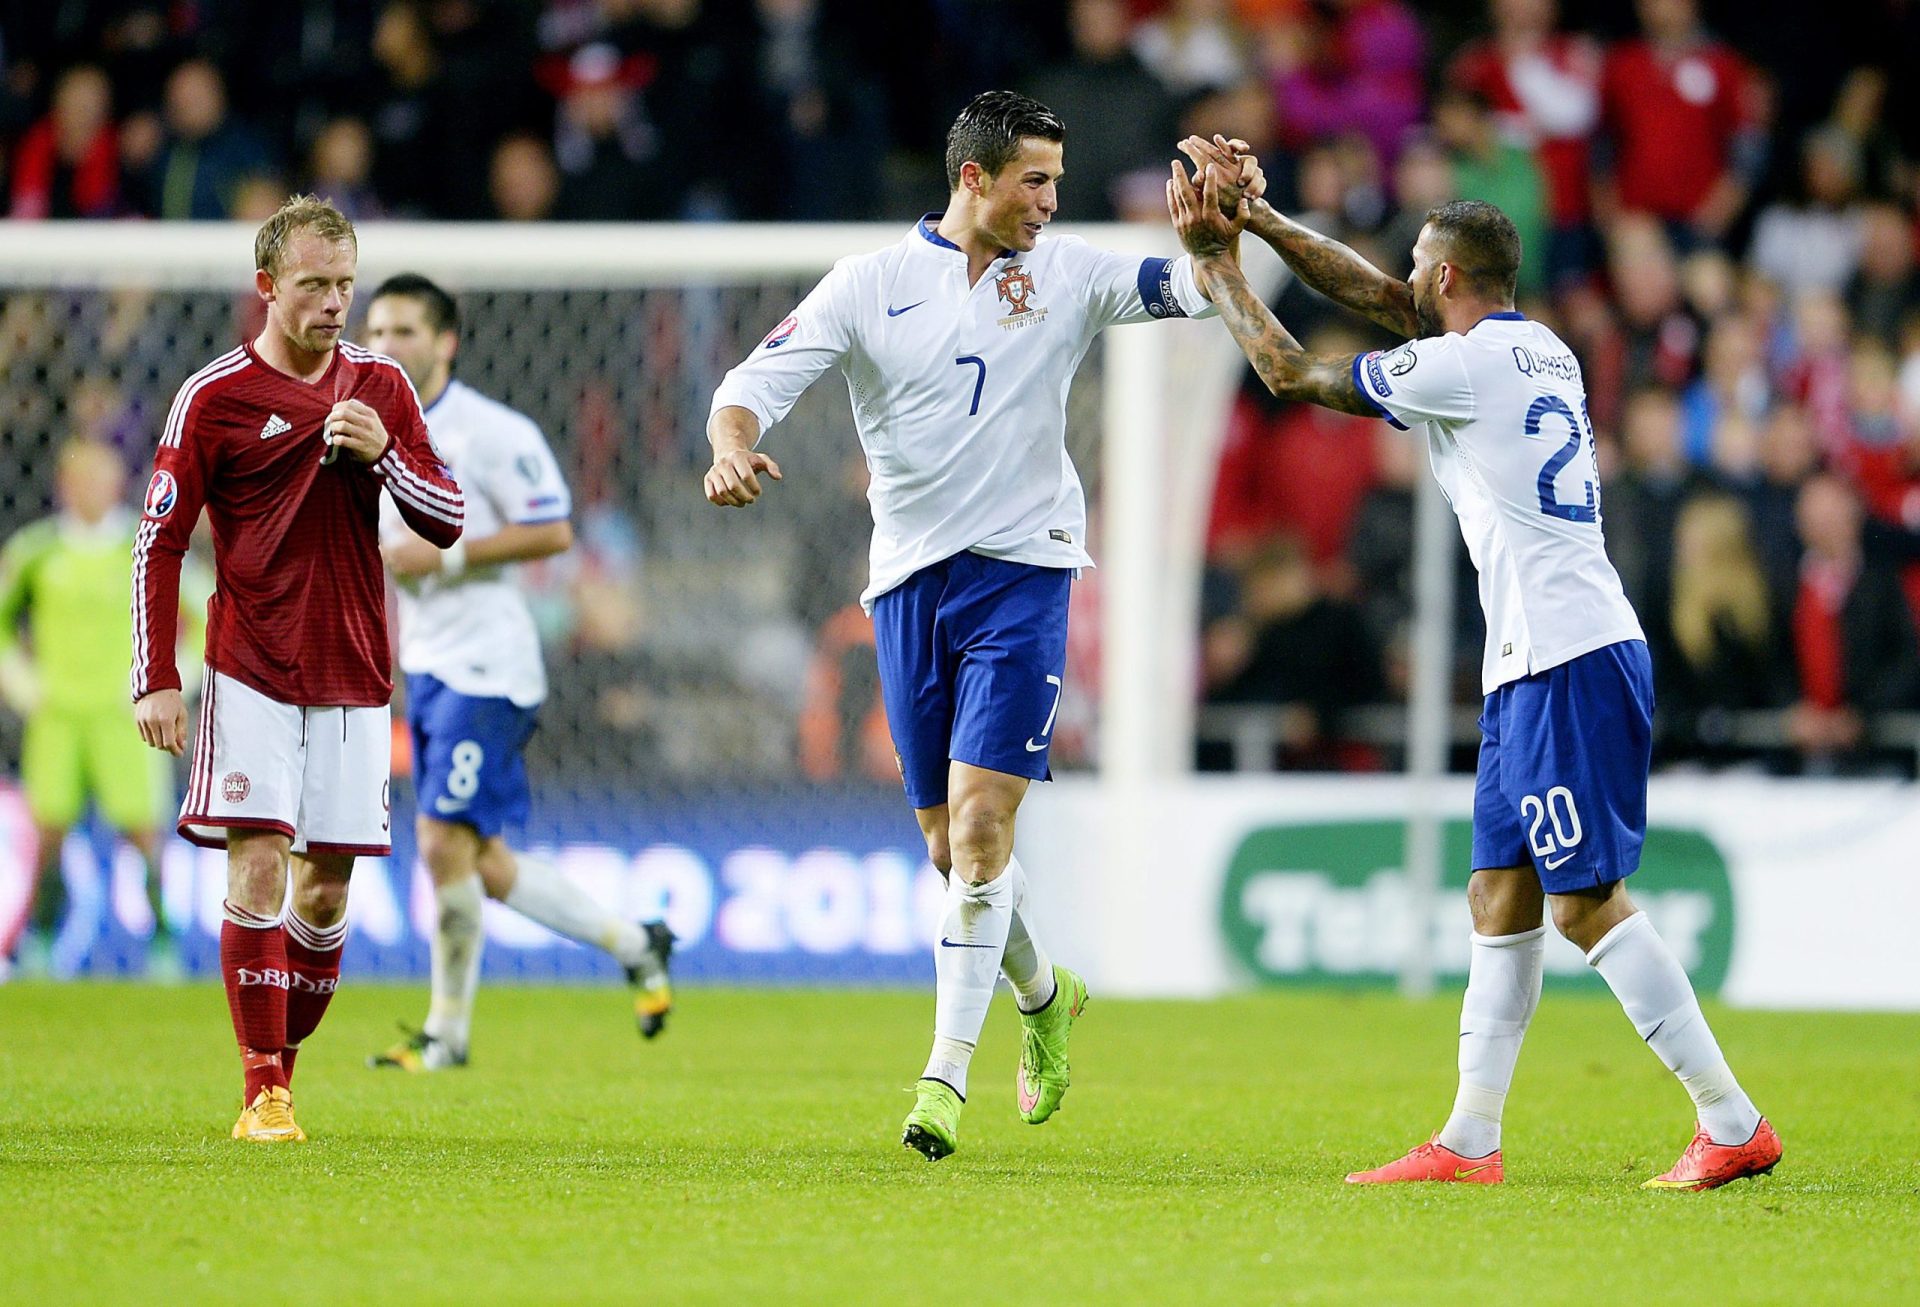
(299, 606)
(1674, 122)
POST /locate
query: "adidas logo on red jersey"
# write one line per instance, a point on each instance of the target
(276, 426)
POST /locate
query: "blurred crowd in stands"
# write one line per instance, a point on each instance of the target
(1718, 204)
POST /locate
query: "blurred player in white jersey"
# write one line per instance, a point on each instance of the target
(958, 345)
(475, 681)
(1560, 807)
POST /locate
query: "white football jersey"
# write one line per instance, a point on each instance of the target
(475, 632)
(1507, 429)
(960, 393)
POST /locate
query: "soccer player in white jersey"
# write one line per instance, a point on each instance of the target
(958, 344)
(475, 681)
(1560, 807)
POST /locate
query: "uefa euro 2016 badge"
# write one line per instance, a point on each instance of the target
(1016, 287)
(162, 493)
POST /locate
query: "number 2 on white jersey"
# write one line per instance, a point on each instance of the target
(1549, 504)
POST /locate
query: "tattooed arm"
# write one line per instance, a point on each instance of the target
(1212, 237)
(1320, 261)
(1289, 371)
(1336, 271)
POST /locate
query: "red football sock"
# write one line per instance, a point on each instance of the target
(313, 964)
(253, 962)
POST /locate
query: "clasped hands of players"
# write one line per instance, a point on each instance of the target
(1209, 221)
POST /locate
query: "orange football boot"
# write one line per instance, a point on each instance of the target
(1707, 1165)
(1434, 1161)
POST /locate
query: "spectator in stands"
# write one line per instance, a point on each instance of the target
(1789, 457)
(1103, 72)
(523, 181)
(1422, 180)
(1357, 66)
(1732, 384)
(1658, 337)
(1686, 146)
(411, 116)
(1859, 114)
(1194, 47)
(820, 118)
(1853, 635)
(1885, 288)
(1293, 646)
(1814, 244)
(1545, 87)
(340, 169)
(1718, 651)
(204, 152)
(1814, 368)
(68, 164)
(608, 149)
(1491, 167)
(1644, 499)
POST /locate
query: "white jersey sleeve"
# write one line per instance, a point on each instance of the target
(814, 337)
(1121, 288)
(517, 472)
(1420, 381)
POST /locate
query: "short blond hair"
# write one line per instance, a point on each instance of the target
(300, 213)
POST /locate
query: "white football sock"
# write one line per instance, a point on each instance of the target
(1503, 989)
(1025, 963)
(1653, 987)
(455, 949)
(541, 893)
(966, 961)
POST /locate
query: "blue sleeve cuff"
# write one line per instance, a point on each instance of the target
(1156, 289)
(1359, 384)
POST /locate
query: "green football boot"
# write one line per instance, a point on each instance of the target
(933, 1126)
(1044, 1076)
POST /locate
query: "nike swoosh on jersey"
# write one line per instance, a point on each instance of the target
(1553, 863)
(1035, 748)
(894, 313)
(947, 943)
(444, 804)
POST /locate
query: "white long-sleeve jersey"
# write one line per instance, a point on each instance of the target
(960, 393)
(1505, 416)
(475, 632)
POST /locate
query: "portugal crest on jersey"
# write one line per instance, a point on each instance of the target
(1016, 287)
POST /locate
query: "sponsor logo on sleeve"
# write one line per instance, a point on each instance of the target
(781, 334)
(529, 467)
(163, 492)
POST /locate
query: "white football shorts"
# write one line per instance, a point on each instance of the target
(319, 776)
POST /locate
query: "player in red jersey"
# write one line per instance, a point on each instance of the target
(287, 442)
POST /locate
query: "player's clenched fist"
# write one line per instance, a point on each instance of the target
(162, 718)
(356, 428)
(734, 479)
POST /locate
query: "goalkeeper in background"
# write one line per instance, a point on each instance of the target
(65, 585)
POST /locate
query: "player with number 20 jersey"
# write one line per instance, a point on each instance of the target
(1560, 804)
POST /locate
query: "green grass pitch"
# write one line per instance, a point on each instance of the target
(752, 1155)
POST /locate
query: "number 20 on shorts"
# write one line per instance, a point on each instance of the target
(1554, 825)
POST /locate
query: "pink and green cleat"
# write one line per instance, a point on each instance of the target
(1043, 1077)
(1707, 1165)
(1433, 1161)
